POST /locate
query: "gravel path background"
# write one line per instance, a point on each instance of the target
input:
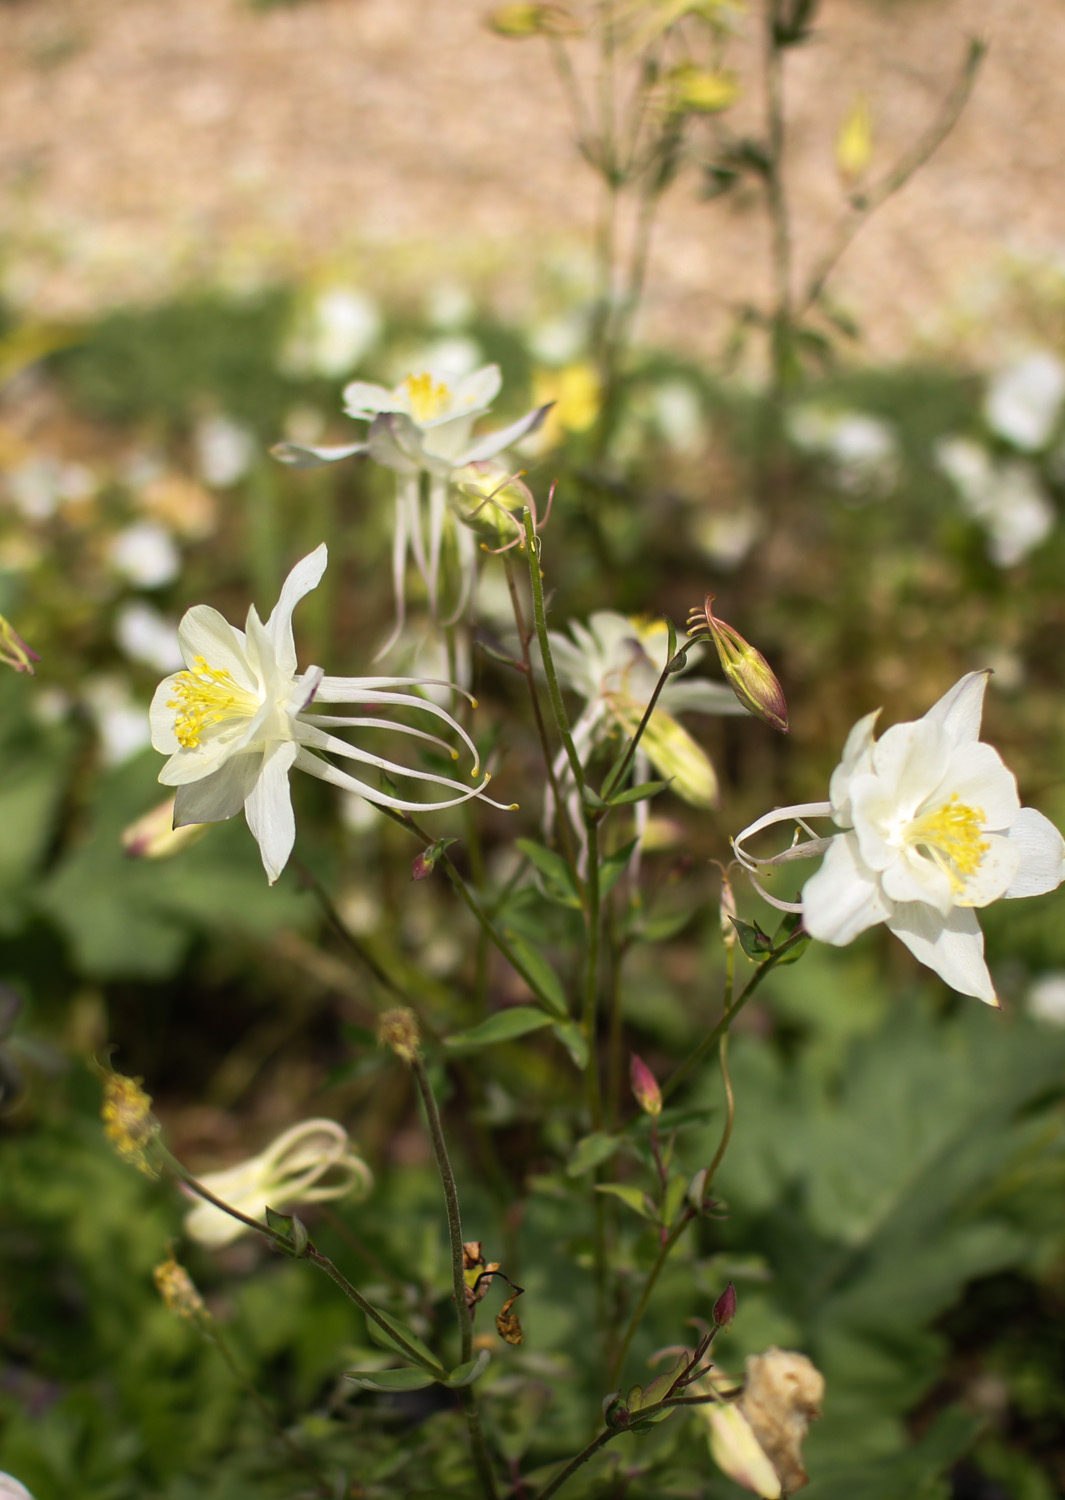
(145, 143)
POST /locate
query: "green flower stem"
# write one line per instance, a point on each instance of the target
(524, 636)
(645, 1296)
(618, 774)
(315, 1256)
(727, 1018)
(478, 1446)
(482, 918)
(532, 549)
(210, 1330)
(610, 1433)
(589, 1012)
(347, 937)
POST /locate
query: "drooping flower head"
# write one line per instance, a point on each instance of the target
(309, 1163)
(239, 717)
(932, 829)
(422, 425)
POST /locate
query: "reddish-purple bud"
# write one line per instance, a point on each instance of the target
(645, 1086)
(725, 1307)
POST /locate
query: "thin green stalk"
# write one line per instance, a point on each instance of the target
(766, 967)
(345, 934)
(532, 548)
(478, 1446)
(645, 1296)
(590, 1009)
(776, 198)
(618, 774)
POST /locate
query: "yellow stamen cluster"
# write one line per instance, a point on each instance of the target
(206, 695)
(129, 1123)
(179, 1295)
(950, 836)
(427, 400)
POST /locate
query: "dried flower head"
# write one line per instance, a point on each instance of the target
(178, 1292)
(398, 1030)
(129, 1123)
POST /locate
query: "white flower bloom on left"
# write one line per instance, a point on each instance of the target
(238, 718)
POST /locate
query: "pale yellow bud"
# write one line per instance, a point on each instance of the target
(154, 836)
(701, 90)
(854, 144)
(750, 676)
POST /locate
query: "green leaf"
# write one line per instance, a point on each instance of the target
(631, 1196)
(591, 1151)
(614, 866)
(559, 884)
(658, 929)
(676, 1192)
(416, 1349)
(754, 942)
(504, 1026)
(637, 793)
(572, 1038)
(541, 973)
(467, 1373)
(391, 1380)
(659, 1387)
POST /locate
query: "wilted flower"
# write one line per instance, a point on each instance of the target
(129, 1123)
(932, 829)
(175, 1286)
(237, 720)
(290, 1171)
(422, 425)
(398, 1030)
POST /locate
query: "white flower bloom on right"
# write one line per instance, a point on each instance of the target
(932, 829)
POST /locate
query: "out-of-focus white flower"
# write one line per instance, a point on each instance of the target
(238, 718)
(12, 1489)
(291, 1170)
(341, 327)
(679, 416)
(225, 450)
(933, 830)
(1005, 497)
(143, 634)
(34, 487)
(862, 448)
(422, 425)
(120, 721)
(145, 555)
(1046, 998)
(1023, 402)
(726, 537)
(449, 305)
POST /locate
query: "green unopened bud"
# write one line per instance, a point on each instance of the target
(521, 20)
(13, 649)
(750, 676)
(645, 1086)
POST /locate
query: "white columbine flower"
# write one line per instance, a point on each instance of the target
(423, 425)
(290, 1171)
(1023, 401)
(239, 717)
(932, 829)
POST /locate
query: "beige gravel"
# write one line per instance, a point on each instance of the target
(396, 142)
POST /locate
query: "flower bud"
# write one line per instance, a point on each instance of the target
(13, 649)
(750, 675)
(854, 144)
(153, 836)
(423, 864)
(398, 1029)
(728, 912)
(725, 1307)
(645, 1086)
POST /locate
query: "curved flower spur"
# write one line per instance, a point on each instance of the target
(421, 426)
(238, 719)
(932, 829)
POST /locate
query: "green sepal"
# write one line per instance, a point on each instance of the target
(292, 1229)
(754, 942)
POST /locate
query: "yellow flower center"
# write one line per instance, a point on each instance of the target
(427, 400)
(206, 695)
(950, 836)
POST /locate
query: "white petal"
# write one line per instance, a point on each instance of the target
(220, 795)
(268, 809)
(952, 947)
(856, 753)
(995, 873)
(204, 632)
(494, 442)
(911, 760)
(306, 456)
(844, 897)
(1042, 854)
(978, 778)
(161, 718)
(305, 576)
(960, 709)
(912, 876)
(479, 388)
(700, 697)
(395, 443)
(362, 399)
